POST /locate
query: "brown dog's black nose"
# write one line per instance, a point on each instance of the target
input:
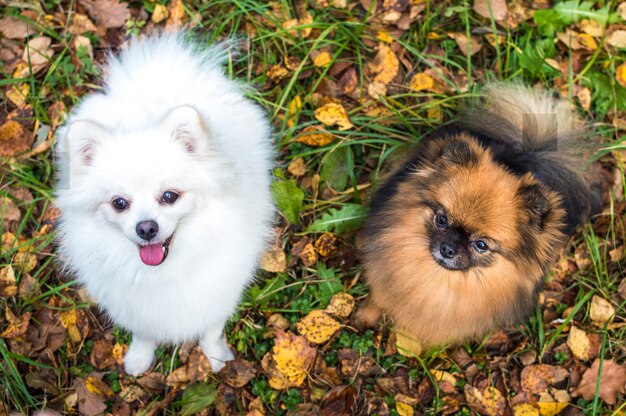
(147, 229)
(447, 250)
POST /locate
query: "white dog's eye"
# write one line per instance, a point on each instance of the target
(169, 197)
(120, 204)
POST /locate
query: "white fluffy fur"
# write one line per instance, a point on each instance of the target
(134, 140)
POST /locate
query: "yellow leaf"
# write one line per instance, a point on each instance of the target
(422, 82)
(160, 13)
(326, 245)
(17, 94)
(294, 26)
(26, 261)
(8, 285)
(385, 65)
(525, 409)
(620, 75)
(341, 305)
(601, 311)
(297, 167)
(407, 345)
(69, 320)
(488, 402)
(404, 409)
(291, 358)
(587, 42)
(295, 106)
(315, 136)
(334, 114)
(578, 342)
(318, 327)
(277, 72)
(443, 376)
(384, 36)
(551, 408)
(322, 60)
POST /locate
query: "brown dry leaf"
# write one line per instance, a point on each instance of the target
(322, 59)
(385, 65)
(305, 251)
(620, 75)
(617, 39)
(486, 402)
(295, 26)
(376, 90)
(83, 42)
(318, 327)
(80, 24)
(237, 373)
(17, 95)
(9, 211)
(423, 82)
(621, 289)
(101, 354)
(472, 47)
(621, 9)
(89, 403)
(584, 97)
(495, 8)
(38, 51)
(159, 14)
(315, 136)
(592, 28)
(8, 285)
(341, 304)
(612, 382)
(536, 378)
(26, 261)
(326, 245)
(274, 260)
(17, 324)
(14, 28)
(111, 14)
(277, 72)
(601, 311)
(14, 138)
(583, 346)
(290, 359)
(297, 167)
(333, 114)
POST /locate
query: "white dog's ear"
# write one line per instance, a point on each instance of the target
(187, 126)
(83, 139)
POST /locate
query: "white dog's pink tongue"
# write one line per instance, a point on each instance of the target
(152, 254)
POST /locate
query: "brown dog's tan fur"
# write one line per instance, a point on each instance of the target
(437, 305)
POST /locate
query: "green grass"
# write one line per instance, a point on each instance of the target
(405, 116)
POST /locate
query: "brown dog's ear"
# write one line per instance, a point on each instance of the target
(535, 200)
(459, 153)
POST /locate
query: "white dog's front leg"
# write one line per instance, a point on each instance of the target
(214, 346)
(139, 356)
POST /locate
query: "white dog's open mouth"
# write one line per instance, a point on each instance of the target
(155, 253)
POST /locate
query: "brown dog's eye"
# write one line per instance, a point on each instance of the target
(169, 197)
(441, 220)
(480, 246)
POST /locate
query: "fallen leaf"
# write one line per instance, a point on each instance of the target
(26, 261)
(17, 324)
(584, 97)
(322, 59)
(385, 65)
(101, 354)
(89, 403)
(326, 245)
(620, 76)
(592, 27)
(38, 51)
(237, 373)
(111, 14)
(341, 304)
(489, 8)
(621, 289)
(339, 401)
(315, 136)
(536, 378)
(612, 381)
(407, 345)
(601, 311)
(423, 82)
(617, 39)
(305, 251)
(404, 409)
(317, 326)
(9, 211)
(274, 260)
(177, 15)
(14, 28)
(277, 72)
(8, 285)
(333, 114)
(486, 402)
(297, 167)
(376, 90)
(159, 14)
(470, 47)
(299, 27)
(583, 346)
(288, 362)
(17, 94)
(525, 409)
(621, 9)
(69, 320)
(80, 24)
(551, 408)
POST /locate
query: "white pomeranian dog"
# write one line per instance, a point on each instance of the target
(164, 192)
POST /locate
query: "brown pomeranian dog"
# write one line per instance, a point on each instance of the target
(462, 233)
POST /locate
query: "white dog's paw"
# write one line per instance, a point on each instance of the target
(139, 358)
(218, 353)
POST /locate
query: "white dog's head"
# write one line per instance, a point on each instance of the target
(141, 184)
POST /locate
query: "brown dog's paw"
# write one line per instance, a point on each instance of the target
(367, 316)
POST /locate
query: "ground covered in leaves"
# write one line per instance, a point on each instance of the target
(347, 84)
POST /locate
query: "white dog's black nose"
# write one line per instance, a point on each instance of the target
(147, 229)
